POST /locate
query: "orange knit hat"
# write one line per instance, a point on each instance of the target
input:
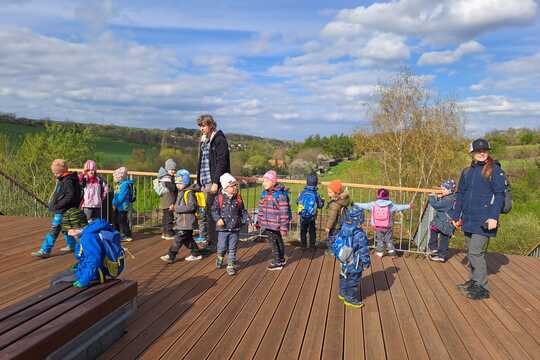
(336, 186)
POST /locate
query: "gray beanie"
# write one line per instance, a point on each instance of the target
(170, 164)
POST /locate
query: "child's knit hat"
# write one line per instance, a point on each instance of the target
(170, 164)
(162, 173)
(73, 218)
(312, 180)
(336, 186)
(182, 177)
(120, 174)
(59, 165)
(383, 194)
(227, 180)
(271, 176)
(90, 165)
(449, 185)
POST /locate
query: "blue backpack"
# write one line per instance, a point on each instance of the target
(344, 248)
(114, 259)
(307, 204)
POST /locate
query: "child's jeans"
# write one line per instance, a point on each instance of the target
(439, 241)
(56, 229)
(274, 237)
(308, 226)
(228, 240)
(348, 286)
(168, 219)
(121, 222)
(183, 237)
(383, 237)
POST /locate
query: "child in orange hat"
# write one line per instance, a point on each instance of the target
(339, 200)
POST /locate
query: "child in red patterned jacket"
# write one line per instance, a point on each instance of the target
(274, 216)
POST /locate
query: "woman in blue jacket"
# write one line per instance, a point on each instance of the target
(480, 198)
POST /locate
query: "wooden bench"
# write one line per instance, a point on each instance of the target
(64, 322)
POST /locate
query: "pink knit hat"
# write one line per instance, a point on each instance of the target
(90, 165)
(383, 194)
(271, 176)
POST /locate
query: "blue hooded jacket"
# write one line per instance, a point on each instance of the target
(121, 197)
(360, 245)
(442, 206)
(89, 252)
(479, 199)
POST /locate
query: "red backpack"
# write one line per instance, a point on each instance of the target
(239, 201)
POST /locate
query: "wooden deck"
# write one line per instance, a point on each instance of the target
(190, 310)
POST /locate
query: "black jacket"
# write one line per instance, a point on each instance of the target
(67, 193)
(232, 212)
(219, 158)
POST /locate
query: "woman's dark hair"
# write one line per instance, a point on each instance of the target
(487, 170)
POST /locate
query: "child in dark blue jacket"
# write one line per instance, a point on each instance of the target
(352, 251)
(442, 227)
(309, 201)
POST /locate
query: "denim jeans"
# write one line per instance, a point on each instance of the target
(228, 240)
(56, 229)
(439, 241)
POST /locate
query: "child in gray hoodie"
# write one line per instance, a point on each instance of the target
(381, 220)
(442, 227)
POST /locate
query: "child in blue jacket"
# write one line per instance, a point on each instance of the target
(352, 250)
(123, 196)
(442, 227)
(309, 201)
(89, 250)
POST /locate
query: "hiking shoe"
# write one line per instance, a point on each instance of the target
(275, 265)
(219, 262)
(127, 239)
(193, 257)
(379, 254)
(231, 270)
(40, 254)
(437, 258)
(353, 303)
(477, 292)
(167, 259)
(465, 286)
(66, 249)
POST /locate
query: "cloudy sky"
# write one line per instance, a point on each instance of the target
(281, 68)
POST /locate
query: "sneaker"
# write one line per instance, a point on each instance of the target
(127, 239)
(392, 253)
(379, 254)
(283, 262)
(353, 303)
(341, 297)
(219, 262)
(40, 254)
(274, 265)
(193, 258)
(437, 258)
(465, 286)
(167, 259)
(477, 292)
(66, 249)
(231, 270)
(168, 237)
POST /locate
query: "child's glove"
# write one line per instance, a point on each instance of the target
(77, 284)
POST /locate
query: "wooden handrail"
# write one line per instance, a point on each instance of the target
(23, 188)
(302, 182)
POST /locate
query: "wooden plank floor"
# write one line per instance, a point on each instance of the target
(190, 310)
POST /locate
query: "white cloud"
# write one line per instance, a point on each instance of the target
(385, 47)
(492, 105)
(450, 56)
(433, 21)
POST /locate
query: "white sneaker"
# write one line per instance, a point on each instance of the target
(66, 249)
(193, 258)
(127, 239)
(379, 254)
(165, 258)
(167, 237)
(392, 253)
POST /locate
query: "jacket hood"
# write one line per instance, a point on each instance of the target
(127, 181)
(71, 175)
(98, 225)
(382, 202)
(343, 199)
(162, 172)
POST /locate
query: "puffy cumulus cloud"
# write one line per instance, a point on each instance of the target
(385, 47)
(432, 21)
(450, 56)
(521, 74)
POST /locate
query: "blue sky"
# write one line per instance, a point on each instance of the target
(284, 69)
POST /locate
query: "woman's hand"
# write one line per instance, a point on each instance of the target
(220, 223)
(214, 188)
(491, 224)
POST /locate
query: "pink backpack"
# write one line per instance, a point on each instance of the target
(380, 217)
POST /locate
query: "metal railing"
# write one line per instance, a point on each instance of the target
(17, 200)
(535, 251)
(410, 228)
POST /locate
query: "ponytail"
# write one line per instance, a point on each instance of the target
(487, 170)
